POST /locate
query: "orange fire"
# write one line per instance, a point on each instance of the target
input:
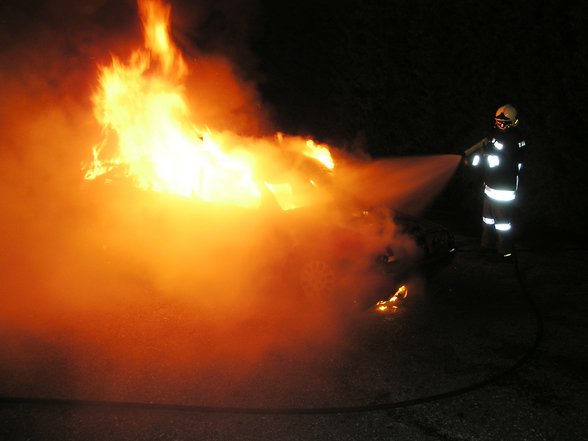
(391, 305)
(150, 138)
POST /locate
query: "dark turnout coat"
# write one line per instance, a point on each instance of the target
(503, 158)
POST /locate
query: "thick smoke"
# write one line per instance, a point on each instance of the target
(121, 283)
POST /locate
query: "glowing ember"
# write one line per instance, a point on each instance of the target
(148, 135)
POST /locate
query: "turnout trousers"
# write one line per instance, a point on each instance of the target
(497, 225)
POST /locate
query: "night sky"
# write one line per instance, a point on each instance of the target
(387, 78)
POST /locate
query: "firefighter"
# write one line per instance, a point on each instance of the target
(501, 157)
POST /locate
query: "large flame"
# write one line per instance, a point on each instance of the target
(149, 137)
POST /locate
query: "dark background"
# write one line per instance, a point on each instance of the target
(426, 77)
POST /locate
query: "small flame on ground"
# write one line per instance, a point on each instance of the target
(391, 305)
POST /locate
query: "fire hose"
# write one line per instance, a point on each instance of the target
(311, 410)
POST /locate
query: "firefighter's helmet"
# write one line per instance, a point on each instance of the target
(506, 117)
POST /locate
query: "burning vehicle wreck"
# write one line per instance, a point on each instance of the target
(330, 250)
(204, 209)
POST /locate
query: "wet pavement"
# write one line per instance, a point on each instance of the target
(439, 369)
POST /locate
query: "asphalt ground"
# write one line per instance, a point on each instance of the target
(457, 362)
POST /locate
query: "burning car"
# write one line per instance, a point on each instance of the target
(189, 202)
(334, 251)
